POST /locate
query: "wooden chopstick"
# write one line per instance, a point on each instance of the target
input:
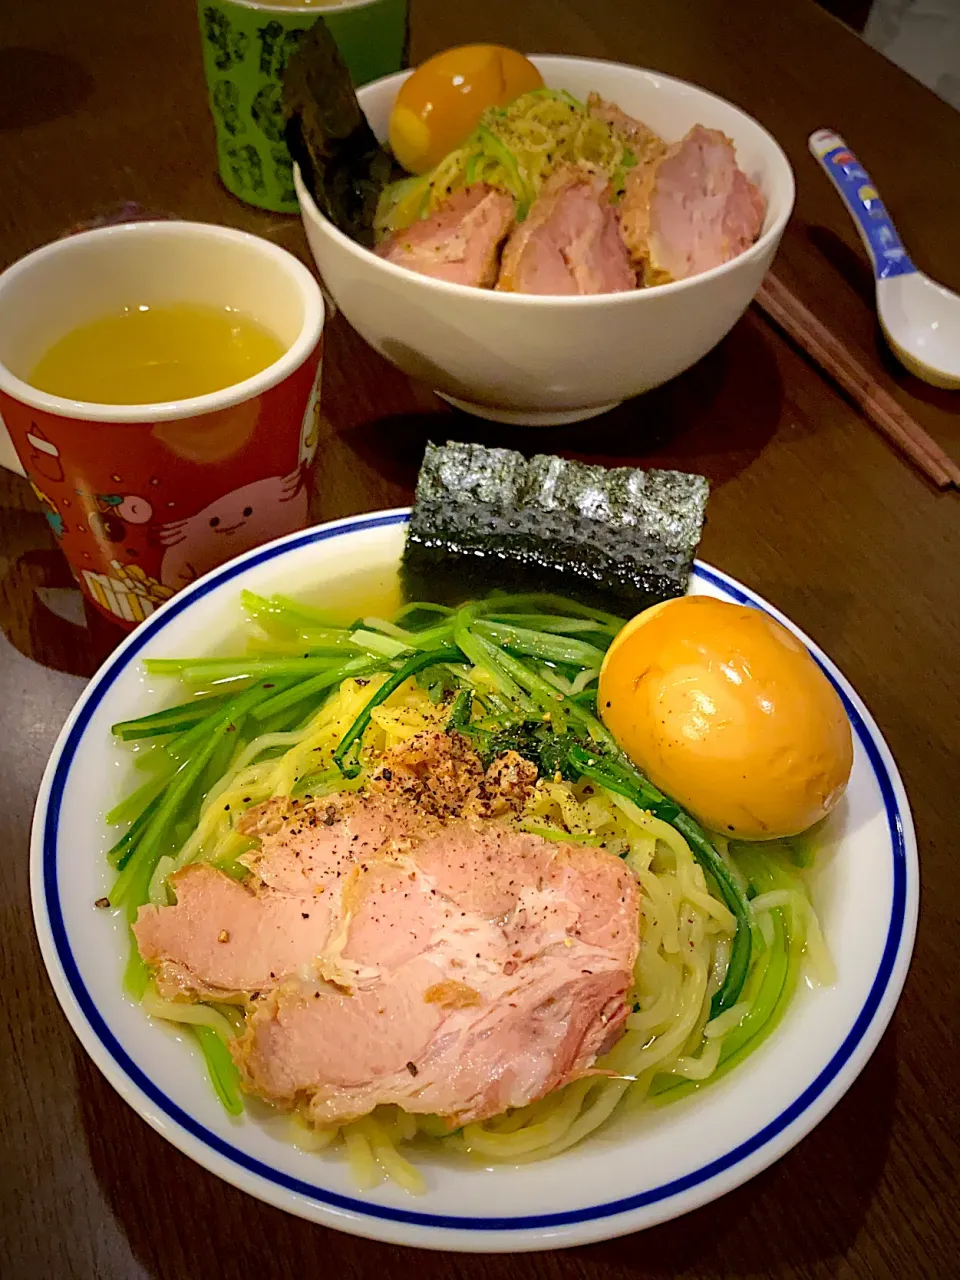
(788, 313)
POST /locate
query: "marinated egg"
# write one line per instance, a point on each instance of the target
(441, 103)
(727, 713)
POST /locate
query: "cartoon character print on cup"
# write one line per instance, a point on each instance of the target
(50, 511)
(112, 512)
(230, 525)
(128, 592)
(134, 510)
(44, 456)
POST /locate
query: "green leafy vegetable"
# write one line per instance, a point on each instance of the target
(629, 782)
(349, 767)
(223, 1072)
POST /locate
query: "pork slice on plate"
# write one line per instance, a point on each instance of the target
(308, 846)
(221, 941)
(569, 242)
(460, 242)
(472, 972)
(691, 210)
(225, 940)
(642, 141)
(407, 944)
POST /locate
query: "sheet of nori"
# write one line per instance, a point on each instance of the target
(488, 519)
(343, 165)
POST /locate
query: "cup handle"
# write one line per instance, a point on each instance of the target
(863, 203)
(8, 455)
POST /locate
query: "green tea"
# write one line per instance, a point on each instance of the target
(148, 355)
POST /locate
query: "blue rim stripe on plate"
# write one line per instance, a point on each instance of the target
(141, 637)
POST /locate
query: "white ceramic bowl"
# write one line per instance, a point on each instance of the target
(635, 1173)
(541, 361)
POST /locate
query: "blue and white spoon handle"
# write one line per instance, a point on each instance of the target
(864, 205)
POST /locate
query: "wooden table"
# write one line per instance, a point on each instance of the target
(103, 103)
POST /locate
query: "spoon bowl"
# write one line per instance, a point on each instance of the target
(921, 321)
(919, 317)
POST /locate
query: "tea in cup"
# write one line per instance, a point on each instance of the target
(159, 388)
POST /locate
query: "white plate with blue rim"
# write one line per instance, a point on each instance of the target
(638, 1172)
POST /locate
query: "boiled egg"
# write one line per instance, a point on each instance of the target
(727, 713)
(440, 105)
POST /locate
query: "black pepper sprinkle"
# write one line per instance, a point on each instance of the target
(386, 775)
(412, 1068)
(269, 686)
(102, 902)
(305, 914)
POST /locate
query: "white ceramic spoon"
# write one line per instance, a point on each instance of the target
(920, 318)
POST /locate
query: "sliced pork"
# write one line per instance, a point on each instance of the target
(642, 141)
(460, 242)
(471, 973)
(221, 940)
(403, 946)
(570, 241)
(691, 210)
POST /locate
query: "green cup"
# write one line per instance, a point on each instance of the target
(246, 47)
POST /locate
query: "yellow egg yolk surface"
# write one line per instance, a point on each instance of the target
(727, 713)
(440, 105)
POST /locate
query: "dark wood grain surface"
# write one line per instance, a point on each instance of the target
(102, 103)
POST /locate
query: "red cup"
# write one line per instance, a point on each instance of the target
(145, 498)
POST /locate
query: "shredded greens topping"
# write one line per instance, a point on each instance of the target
(515, 148)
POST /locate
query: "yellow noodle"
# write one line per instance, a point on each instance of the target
(685, 936)
(821, 969)
(725, 1022)
(384, 1151)
(699, 1067)
(311, 1137)
(364, 1167)
(197, 1015)
(486, 1141)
